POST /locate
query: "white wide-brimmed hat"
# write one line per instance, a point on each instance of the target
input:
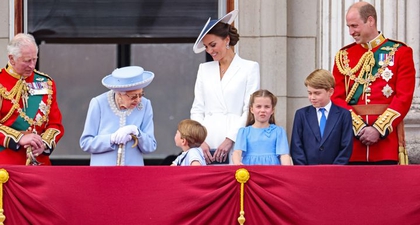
(128, 79)
(228, 18)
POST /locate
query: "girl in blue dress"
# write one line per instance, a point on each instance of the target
(261, 142)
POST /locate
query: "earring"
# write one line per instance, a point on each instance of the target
(227, 46)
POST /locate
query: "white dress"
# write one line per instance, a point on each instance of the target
(221, 105)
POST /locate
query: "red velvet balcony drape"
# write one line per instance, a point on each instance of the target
(153, 195)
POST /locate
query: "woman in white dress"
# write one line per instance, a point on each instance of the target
(223, 87)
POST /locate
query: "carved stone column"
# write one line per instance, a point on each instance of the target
(412, 131)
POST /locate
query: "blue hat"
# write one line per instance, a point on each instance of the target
(128, 79)
(228, 18)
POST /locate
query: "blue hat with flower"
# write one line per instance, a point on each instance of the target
(228, 18)
(128, 79)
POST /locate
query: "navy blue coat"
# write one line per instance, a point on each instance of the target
(335, 147)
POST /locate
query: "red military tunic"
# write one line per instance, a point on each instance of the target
(39, 113)
(377, 85)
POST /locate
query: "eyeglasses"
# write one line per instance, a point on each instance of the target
(135, 96)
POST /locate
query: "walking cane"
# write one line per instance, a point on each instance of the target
(119, 156)
(121, 149)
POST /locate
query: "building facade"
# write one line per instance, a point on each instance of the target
(291, 38)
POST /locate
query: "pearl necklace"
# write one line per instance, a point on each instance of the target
(118, 112)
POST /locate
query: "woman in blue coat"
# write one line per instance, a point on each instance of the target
(119, 125)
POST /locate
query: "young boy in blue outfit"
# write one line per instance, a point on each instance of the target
(189, 136)
(322, 132)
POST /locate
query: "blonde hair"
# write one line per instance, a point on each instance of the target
(193, 132)
(320, 79)
(261, 93)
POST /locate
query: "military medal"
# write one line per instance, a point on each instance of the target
(387, 91)
(43, 107)
(387, 74)
(38, 88)
(381, 59)
(391, 60)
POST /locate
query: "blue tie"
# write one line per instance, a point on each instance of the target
(323, 121)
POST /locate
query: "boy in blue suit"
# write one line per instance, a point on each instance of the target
(322, 132)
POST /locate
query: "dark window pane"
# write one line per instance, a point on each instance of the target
(118, 18)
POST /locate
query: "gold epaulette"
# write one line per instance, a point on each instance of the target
(42, 74)
(397, 41)
(10, 133)
(49, 137)
(348, 46)
(384, 121)
(358, 123)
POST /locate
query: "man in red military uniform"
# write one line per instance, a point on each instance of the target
(375, 79)
(30, 120)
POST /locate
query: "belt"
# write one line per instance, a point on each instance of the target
(374, 109)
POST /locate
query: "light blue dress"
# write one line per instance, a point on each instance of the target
(103, 119)
(262, 146)
(187, 157)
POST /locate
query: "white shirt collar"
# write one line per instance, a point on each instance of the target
(327, 107)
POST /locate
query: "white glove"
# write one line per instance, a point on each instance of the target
(122, 135)
(117, 138)
(129, 129)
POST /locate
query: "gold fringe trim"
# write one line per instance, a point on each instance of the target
(242, 176)
(4, 177)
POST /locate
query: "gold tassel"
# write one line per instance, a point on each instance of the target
(4, 177)
(242, 176)
(402, 156)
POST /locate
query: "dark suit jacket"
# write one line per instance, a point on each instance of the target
(307, 147)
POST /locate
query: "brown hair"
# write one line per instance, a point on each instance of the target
(193, 132)
(223, 30)
(365, 10)
(261, 93)
(320, 79)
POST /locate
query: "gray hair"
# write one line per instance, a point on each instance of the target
(19, 42)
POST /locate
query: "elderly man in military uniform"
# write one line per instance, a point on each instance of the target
(375, 79)
(30, 120)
